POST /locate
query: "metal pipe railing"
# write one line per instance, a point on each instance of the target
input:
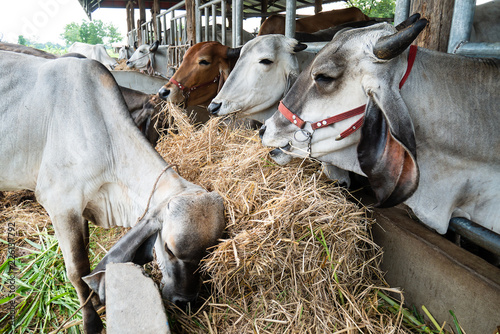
(479, 235)
(291, 9)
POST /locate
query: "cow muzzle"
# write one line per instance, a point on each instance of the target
(214, 107)
(182, 301)
(163, 93)
(262, 130)
(182, 292)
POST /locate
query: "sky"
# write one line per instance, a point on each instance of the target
(44, 20)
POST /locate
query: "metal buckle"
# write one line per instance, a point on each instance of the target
(308, 137)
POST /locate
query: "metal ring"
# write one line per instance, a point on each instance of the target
(306, 133)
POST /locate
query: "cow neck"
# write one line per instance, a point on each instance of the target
(300, 123)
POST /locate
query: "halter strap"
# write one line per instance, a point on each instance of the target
(182, 87)
(411, 60)
(295, 119)
(291, 116)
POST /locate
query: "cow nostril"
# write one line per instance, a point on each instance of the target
(261, 131)
(182, 304)
(163, 93)
(214, 107)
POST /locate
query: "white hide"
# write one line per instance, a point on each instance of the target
(97, 52)
(453, 102)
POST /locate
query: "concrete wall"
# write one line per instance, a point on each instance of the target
(434, 272)
(139, 81)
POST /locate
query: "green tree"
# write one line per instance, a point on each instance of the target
(93, 32)
(375, 8)
(21, 40)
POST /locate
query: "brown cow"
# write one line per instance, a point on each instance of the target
(275, 24)
(200, 76)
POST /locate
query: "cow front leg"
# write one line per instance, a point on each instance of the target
(71, 232)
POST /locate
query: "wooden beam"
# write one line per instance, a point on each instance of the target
(142, 19)
(318, 6)
(142, 11)
(156, 25)
(190, 22)
(130, 16)
(439, 13)
(263, 10)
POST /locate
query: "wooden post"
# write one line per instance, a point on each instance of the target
(142, 19)
(318, 6)
(439, 13)
(130, 19)
(263, 10)
(190, 22)
(154, 12)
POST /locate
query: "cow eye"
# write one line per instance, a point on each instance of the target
(169, 252)
(323, 78)
(266, 61)
(204, 62)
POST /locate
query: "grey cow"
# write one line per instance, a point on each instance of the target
(71, 140)
(433, 144)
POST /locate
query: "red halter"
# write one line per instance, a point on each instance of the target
(295, 119)
(189, 90)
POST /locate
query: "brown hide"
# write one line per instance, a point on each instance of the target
(202, 64)
(275, 24)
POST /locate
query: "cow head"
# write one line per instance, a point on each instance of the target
(358, 67)
(203, 70)
(143, 57)
(181, 228)
(266, 69)
(125, 52)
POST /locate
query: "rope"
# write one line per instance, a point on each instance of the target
(152, 191)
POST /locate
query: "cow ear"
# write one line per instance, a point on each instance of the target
(233, 53)
(150, 66)
(299, 47)
(136, 246)
(290, 80)
(154, 47)
(387, 152)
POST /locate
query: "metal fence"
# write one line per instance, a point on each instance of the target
(211, 25)
(461, 27)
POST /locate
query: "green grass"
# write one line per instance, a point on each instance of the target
(44, 295)
(415, 321)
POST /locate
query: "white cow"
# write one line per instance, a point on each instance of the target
(125, 52)
(154, 59)
(72, 141)
(433, 144)
(267, 67)
(97, 52)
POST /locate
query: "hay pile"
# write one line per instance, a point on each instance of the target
(122, 66)
(297, 257)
